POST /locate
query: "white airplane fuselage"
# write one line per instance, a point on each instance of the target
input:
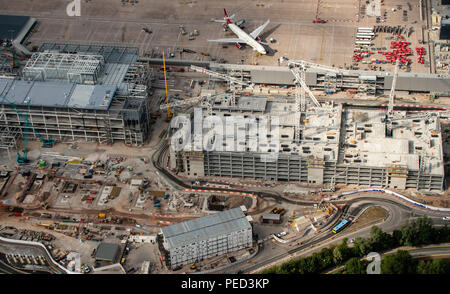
(247, 38)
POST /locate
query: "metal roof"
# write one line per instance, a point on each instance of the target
(419, 83)
(57, 94)
(107, 251)
(271, 216)
(205, 228)
(279, 77)
(12, 25)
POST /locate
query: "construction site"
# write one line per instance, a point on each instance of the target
(97, 94)
(319, 144)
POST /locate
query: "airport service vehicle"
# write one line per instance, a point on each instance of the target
(340, 226)
(281, 234)
(251, 39)
(319, 21)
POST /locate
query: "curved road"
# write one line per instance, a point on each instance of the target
(399, 214)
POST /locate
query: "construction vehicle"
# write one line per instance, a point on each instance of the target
(193, 266)
(101, 215)
(119, 170)
(155, 115)
(182, 30)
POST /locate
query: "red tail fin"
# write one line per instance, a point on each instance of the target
(227, 18)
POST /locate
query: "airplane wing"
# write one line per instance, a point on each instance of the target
(228, 40)
(258, 30)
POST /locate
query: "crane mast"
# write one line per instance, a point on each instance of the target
(390, 112)
(231, 80)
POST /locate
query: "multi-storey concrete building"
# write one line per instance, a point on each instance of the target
(335, 145)
(208, 236)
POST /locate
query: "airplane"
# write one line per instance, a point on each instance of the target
(251, 39)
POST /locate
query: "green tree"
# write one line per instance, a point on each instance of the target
(419, 232)
(398, 263)
(361, 246)
(435, 266)
(380, 240)
(355, 266)
(442, 235)
(397, 238)
(325, 257)
(341, 252)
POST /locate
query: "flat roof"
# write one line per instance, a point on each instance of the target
(445, 32)
(57, 94)
(205, 228)
(271, 216)
(107, 251)
(12, 25)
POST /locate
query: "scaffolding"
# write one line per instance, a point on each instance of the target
(123, 114)
(9, 136)
(75, 68)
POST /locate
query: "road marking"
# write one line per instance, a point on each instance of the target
(321, 45)
(66, 29)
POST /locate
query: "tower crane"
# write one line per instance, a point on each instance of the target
(206, 101)
(47, 143)
(232, 80)
(21, 158)
(390, 112)
(298, 69)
